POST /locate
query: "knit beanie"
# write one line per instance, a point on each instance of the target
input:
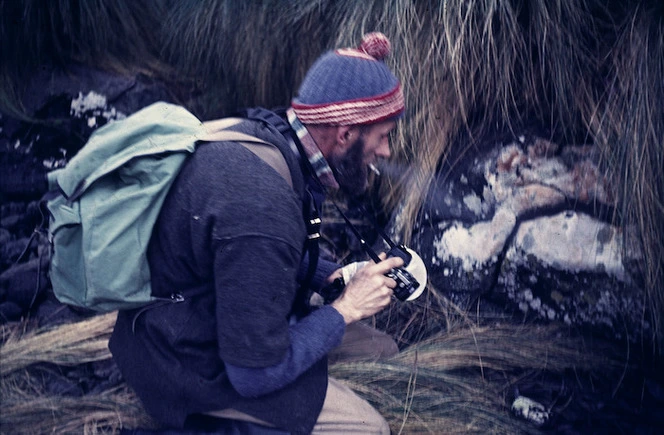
(351, 86)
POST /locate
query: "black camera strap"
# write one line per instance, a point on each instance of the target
(365, 246)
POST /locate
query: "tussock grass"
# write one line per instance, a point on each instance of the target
(242, 54)
(115, 36)
(69, 344)
(455, 381)
(28, 407)
(107, 412)
(628, 126)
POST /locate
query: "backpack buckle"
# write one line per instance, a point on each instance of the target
(177, 298)
(313, 228)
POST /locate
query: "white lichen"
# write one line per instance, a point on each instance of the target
(84, 103)
(530, 410)
(473, 203)
(476, 245)
(569, 241)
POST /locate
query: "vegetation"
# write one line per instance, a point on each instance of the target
(585, 71)
(459, 381)
(576, 71)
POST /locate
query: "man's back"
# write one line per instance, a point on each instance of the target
(230, 222)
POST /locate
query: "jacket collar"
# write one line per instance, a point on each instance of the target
(312, 152)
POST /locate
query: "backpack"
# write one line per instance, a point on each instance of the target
(108, 198)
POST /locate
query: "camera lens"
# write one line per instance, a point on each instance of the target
(406, 283)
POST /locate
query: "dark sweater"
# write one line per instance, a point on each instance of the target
(232, 224)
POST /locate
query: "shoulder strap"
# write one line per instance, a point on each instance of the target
(270, 154)
(312, 216)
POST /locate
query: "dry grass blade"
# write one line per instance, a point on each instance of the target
(628, 126)
(69, 344)
(92, 414)
(440, 385)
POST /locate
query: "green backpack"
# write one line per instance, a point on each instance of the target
(109, 197)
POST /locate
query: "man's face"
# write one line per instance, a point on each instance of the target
(351, 167)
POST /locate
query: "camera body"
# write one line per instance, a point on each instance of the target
(406, 282)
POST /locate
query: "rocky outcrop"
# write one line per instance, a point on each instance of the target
(530, 224)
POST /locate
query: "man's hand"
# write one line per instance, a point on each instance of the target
(369, 291)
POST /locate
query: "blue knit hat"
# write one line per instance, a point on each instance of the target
(351, 86)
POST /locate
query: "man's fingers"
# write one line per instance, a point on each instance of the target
(390, 283)
(386, 265)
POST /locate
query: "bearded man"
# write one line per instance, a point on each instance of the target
(237, 238)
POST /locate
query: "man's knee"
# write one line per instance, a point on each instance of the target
(373, 422)
(345, 412)
(363, 343)
(382, 426)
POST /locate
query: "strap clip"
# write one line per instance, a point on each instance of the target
(313, 228)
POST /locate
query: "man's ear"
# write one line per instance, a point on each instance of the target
(346, 135)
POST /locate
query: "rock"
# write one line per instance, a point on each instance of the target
(11, 250)
(569, 267)
(124, 94)
(25, 176)
(23, 283)
(528, 409)
(527, 225)
(5, 236)
(10, 312)
(52, 312)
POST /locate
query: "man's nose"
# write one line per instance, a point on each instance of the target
(384, 150)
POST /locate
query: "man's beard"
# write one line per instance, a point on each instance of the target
(349, 169)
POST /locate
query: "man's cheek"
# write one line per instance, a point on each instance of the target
(369, 154)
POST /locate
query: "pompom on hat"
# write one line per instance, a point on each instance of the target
(351, 86)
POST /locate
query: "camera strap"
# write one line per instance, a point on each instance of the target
(315, 193)
(365, 246)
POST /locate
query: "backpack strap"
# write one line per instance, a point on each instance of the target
(313, 199)
(270, 154)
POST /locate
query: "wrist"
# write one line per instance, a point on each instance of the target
(347, 312)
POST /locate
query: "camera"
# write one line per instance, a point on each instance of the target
(408, 286)
(406, 282)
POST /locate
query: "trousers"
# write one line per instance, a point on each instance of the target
(343, 410)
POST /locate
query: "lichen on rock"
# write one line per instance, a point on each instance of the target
(528, 224)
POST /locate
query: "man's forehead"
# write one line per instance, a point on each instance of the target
(384, 126)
